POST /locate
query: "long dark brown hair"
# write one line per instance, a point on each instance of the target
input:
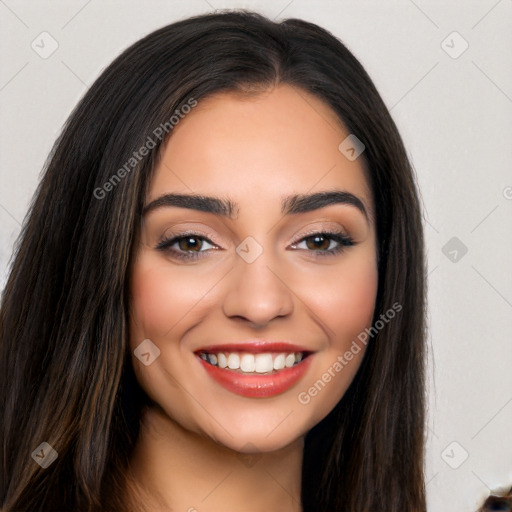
(66, 375)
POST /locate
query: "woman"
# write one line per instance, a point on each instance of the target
(217, 300)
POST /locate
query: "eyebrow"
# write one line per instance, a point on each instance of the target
(294, 204)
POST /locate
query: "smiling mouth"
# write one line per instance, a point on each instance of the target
(254, 364)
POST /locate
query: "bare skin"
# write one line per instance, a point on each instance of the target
(253, 151)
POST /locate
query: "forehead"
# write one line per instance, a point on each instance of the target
(279, 142)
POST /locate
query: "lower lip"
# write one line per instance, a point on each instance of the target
(258, 385)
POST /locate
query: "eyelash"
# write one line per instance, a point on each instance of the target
(341, 238)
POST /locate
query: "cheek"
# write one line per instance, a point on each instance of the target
(344, 299)
(344, 302)
(161, 296)
(355, 302)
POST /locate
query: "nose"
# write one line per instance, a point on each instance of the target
(257, 293)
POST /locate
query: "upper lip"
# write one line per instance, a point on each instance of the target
(254, 346)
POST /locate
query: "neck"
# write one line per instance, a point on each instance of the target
(174, 468)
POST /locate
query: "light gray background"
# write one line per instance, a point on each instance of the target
(455, 117)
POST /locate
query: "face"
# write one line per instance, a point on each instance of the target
(256, 270)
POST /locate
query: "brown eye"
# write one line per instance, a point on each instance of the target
(190, 243)
(324, 243)
(318, 242)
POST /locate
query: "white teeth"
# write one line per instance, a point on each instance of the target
(247, 363)
(233, 361)
(263, 363)
(222, 360)
(279, 362)
(253, 363)
(290, 360)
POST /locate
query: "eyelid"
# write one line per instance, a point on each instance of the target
(185, 234)
(193, 231)
(338, 230)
